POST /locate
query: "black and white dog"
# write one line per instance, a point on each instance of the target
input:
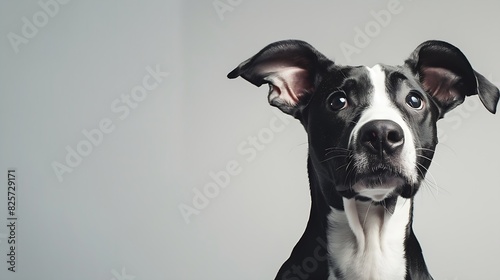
(372, 136)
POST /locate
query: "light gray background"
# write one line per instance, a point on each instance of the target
(116, 215)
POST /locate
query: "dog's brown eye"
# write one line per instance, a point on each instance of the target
(414, 100)
(337, 100)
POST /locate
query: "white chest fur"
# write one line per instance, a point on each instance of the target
(366, 242)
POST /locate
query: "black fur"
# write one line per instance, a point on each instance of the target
(301, 82)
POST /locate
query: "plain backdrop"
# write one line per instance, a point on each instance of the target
(68, 68)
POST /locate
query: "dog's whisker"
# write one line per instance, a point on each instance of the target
(333, 157)
(432, 185)
(425, 169)
(426, 149)
(348, 172)
(424, 157)
(337, 148)
(341, 166)
(339, 152)
(435, 162)
(348, 164)
(345, 155)
(422, 173)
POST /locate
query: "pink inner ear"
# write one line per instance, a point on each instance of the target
(440, 83)
(289, 84)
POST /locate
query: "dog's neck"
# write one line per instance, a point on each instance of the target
(367, 240)
(364, 239)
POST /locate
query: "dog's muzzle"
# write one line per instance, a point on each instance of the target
(379, 163)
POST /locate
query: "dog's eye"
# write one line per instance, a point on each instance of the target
(414, 100)
(337, 101)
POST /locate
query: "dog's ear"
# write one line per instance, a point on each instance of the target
(446, 74)
(290, 67)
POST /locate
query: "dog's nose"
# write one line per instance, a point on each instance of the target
(382, 136)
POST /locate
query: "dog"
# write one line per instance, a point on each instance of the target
(371, 138)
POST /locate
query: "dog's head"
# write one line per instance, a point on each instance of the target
(372, 131)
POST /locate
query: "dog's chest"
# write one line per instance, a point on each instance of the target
(366, 242)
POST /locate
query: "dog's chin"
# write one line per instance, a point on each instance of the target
(378, 187)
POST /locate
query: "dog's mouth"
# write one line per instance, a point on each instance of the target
(377, 184)
(378, 187)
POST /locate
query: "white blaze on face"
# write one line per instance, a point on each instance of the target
(381, 107)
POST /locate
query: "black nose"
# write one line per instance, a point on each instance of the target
(382, 136)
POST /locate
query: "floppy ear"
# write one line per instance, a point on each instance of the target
(446, 74)
(290, 67)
